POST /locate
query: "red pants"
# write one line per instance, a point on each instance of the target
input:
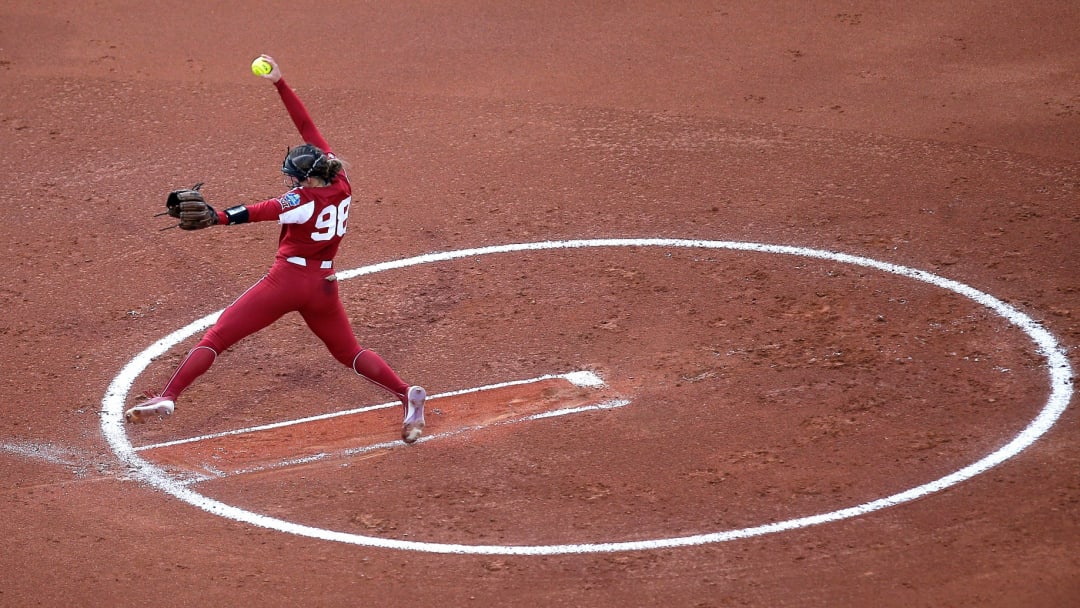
(287, 288)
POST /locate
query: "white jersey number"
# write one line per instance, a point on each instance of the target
(333, 220)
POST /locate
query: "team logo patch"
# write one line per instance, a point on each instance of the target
(289, 200)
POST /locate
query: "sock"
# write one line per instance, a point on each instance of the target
(194, 365)
(372, 367)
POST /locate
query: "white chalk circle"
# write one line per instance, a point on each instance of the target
(1057, 366)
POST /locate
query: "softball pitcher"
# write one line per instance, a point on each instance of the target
(314, 216)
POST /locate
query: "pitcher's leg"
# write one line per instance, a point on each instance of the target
(197, 361)
(194, 365)
(256, 308)
(331, 325)
(373, 368)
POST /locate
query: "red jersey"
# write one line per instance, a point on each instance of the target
(313, 220)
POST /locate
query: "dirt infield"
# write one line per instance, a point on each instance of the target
(758, 402)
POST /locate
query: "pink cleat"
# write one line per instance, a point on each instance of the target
(155, 406)
(414, 415)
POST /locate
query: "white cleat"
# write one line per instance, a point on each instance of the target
(157, 406)
(414, 415)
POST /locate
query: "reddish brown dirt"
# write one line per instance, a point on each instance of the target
(763, 387)
(363, 430)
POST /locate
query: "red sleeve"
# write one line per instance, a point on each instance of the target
(263, 211)
(300, 116)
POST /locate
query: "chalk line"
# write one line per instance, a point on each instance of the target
(1058, 369)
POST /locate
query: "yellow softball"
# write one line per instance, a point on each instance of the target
(261, 67)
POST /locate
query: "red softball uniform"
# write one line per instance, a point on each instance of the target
(313, 222)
